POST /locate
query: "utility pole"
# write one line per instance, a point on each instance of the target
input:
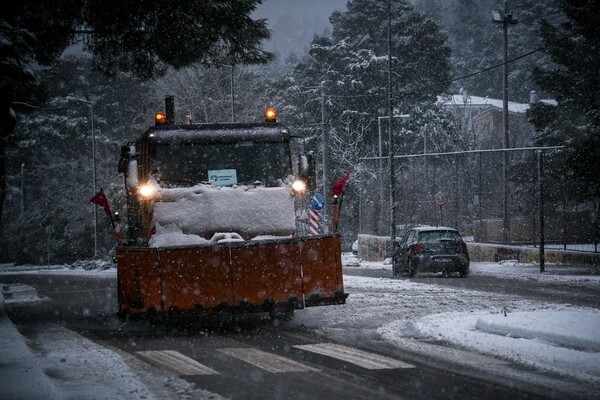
(91, 104)
(391, 139)
(540, 191)
(325, 162)
(506, 20)
(231, 89)
(22, 190)
(232, 97)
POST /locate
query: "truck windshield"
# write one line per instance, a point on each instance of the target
(225, 164)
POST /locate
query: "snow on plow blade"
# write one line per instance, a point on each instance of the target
(234, 276)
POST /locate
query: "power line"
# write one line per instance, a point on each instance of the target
(502, 63)
(450, 153)
(20, 103)
(469, 75)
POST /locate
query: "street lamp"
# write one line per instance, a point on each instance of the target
(232, 92)
(506, 20)
(91, 104)
(380, 153)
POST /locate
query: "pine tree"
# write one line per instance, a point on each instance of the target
(343, 84)
(136, 36)
(574, 80)
(54, 146)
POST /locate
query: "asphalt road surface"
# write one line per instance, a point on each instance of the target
(254, 358)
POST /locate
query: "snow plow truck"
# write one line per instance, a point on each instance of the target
(212, 223)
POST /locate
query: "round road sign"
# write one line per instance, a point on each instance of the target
(440, 199)
(317, 201)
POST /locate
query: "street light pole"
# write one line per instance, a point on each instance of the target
(506, 20)
(325, 159)
(232, 93)
(22, 190)
(391, 141)
(91, 104)
(232, 97)
(380, 152)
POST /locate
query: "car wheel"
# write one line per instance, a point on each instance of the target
(463, 272)
(411, 269)
(394, 267)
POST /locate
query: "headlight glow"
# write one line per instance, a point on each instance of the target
(147, 191)
(299, 186)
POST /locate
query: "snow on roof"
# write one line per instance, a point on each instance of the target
(217, 133)
(190, 216)
(434, 228)
(549, 102)
(458, 100)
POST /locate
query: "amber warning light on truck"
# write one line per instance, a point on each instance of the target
(271, 115)
(160, 118)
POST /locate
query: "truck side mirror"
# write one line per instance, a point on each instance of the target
(123, 159)
(306, 170)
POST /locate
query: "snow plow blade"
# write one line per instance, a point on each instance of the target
(260, 276)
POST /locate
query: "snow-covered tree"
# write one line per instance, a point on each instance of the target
(341, 87)
(574, 79)
(49, 168)
(204, 93)
(477, 42)
(141, 37)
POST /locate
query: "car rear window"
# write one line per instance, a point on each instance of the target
(437, 236)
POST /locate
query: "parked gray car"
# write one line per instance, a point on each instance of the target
(431, 249)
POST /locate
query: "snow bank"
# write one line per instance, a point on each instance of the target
(193, 215)
(563, 328)
(554, 340)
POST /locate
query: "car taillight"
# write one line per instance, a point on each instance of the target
(462, 247)
(417, 248)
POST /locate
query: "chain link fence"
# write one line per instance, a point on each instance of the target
(466, 190)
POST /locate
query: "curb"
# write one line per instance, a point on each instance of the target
(21, 377)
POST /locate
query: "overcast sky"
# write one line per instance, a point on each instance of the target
(271, 8)
(294, 22)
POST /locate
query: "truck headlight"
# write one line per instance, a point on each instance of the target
(147, 191)
(299, 186)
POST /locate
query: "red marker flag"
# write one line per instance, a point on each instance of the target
(340, 186)
(101, 200)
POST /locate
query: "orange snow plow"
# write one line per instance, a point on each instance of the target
(213, 224)
(245, 277)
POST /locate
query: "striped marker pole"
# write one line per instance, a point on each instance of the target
(314, 222)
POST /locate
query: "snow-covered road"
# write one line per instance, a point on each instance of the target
(454, 324)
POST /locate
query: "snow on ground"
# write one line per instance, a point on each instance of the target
(559, 338)
(78, 367)
(550, 337)
(590, 247)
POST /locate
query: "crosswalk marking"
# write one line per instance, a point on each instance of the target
(354, 356)
(176, 362)
(267, 361)
(447, 353)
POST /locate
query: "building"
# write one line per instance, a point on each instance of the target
(482, 119)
